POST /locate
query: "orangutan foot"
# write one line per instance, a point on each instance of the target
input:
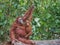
(33, 43)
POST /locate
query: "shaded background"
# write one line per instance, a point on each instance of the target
(46, 17)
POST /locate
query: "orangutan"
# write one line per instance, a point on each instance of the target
(22, 29)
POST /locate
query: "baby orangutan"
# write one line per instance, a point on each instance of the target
(22, 29)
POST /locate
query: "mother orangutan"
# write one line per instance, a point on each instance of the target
(21, 28)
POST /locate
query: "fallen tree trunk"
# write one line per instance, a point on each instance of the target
(48, 42)
(43, 42)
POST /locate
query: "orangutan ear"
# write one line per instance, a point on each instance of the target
(28, 13)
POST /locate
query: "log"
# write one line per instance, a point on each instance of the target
(48, 42)
(41, 42)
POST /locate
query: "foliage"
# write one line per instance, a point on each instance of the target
(46, 17)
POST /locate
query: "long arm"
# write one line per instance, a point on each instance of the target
(28, 13)
(12, 33)
(30, 33)
(30, 18)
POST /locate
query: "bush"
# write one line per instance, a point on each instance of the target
(46, 15)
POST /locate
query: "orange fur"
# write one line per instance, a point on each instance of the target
(22, 32)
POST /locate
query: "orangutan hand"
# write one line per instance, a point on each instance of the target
(26, 36)
(13, 41)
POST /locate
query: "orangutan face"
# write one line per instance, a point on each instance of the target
(20, 20)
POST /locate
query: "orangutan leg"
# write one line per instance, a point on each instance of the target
(25, 41)
(9, 43)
